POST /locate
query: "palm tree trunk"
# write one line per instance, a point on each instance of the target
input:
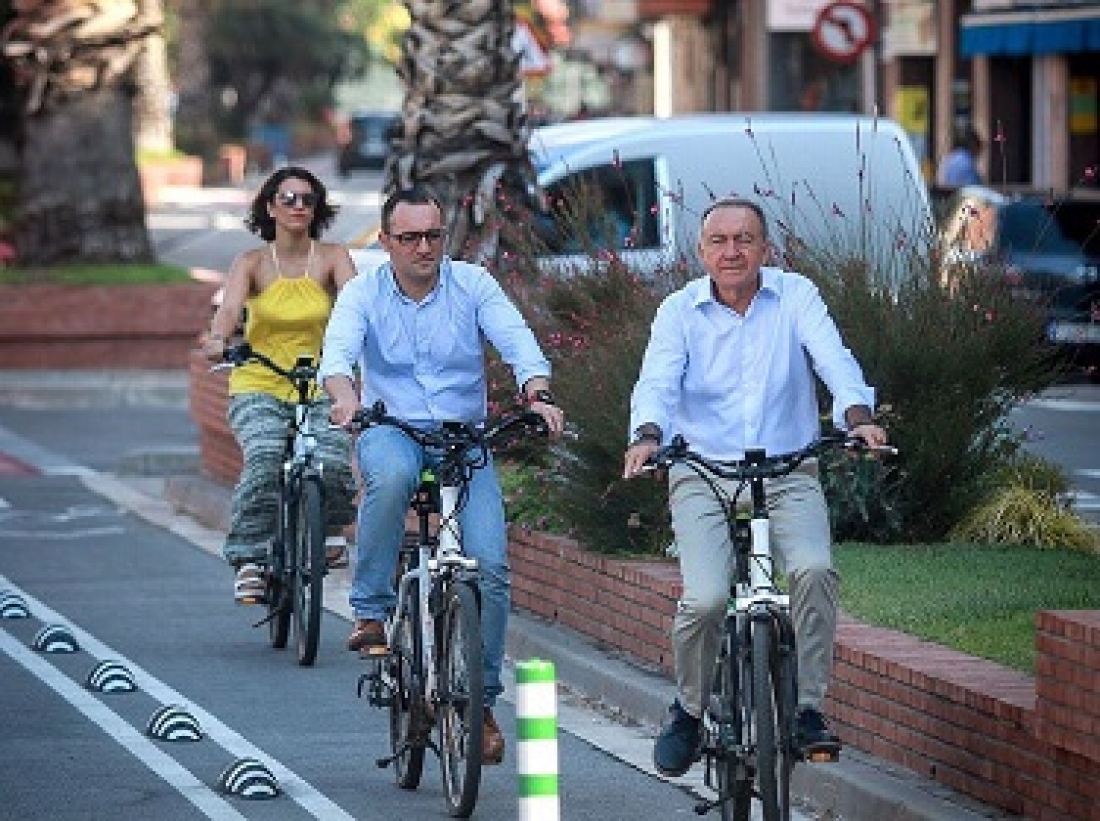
(80, 195)
(464, 130)
(153, 103)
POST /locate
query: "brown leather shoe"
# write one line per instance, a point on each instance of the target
(369, 636)
(492, 740)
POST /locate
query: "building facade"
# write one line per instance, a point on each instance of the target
(1024, 73)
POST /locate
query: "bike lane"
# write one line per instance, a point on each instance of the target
(143, 585)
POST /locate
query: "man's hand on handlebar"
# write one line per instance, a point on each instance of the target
(552, 415)
(637, 455)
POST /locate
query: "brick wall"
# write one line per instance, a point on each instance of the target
(89, 326)
(1030, 746)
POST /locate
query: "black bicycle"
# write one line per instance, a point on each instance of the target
(296, 567)
(750, 745)
(432, 676)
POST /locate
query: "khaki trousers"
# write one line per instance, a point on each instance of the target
(802, 546)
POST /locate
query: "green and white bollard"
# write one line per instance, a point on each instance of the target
(537, 741)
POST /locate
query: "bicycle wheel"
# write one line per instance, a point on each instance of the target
(734, 780)
(461, 700)
(278, 599)
(309, 570)
(407, 707)
(773, 761)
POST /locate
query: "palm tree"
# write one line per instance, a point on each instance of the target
(80, 196)
(464, 130)
(153, 102)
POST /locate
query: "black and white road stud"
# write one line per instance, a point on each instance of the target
(55, 638)
(248, 778)
(110, 677)
(13, 606)
(173, 723)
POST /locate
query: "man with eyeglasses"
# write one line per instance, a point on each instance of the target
(730, 365)
(416, 328)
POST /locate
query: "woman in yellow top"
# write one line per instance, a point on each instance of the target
(287, 288)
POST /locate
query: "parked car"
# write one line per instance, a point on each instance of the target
(1050, 249)
(368, 141)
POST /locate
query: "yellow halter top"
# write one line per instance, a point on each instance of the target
(285, 320)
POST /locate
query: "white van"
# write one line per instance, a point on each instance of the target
(845, 183)
(849, 184)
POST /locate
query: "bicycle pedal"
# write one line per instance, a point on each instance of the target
(250, 600)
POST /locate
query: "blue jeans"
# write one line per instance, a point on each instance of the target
(390, 464)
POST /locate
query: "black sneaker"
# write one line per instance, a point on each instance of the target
(679, 744)
(813, 737)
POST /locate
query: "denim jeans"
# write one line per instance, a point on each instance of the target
(390, 464)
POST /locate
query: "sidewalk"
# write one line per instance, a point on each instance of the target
(630, 702)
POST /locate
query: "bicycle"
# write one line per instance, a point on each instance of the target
(431, 674)
(749, 741)
(296, 567)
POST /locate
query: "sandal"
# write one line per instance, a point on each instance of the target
(336, 552)
(249, 585)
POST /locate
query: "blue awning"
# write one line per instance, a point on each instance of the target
(1057, 30)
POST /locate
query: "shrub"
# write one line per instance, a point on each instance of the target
(1023, 515)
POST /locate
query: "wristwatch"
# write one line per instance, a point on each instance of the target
(542, 395)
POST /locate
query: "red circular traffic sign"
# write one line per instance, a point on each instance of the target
(842, 30)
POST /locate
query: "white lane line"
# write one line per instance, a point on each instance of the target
(302, 793)
(180, 778)
(1088, 473)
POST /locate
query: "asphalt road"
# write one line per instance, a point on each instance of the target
(161, 605)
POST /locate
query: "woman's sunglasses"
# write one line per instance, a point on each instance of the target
(289, 198)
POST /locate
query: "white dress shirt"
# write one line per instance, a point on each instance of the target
(727, 382)
(426, 360)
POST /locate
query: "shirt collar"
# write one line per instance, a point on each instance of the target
(702, 293)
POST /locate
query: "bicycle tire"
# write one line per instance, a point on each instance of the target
(309, 570)
(407, 707)
(734, 780)
(462, 699)
(773, 769)
(278, 601)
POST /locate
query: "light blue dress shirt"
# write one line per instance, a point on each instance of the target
(728, 382)
(426, 359)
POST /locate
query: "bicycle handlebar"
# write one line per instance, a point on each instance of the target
(304, 370)
(757, 465)
(456, 437)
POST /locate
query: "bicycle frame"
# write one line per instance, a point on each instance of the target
(438, 556)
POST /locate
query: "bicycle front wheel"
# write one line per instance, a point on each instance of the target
(309, 570)
(462, 699)
(278, 596)
(408, 710)
(730, 720)
(770, 710)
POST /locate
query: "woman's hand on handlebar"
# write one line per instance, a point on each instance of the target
(636, 457)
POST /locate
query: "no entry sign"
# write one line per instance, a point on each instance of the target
(842, 30)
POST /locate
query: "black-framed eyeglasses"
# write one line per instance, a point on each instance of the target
(411, 239)
(306, 199)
